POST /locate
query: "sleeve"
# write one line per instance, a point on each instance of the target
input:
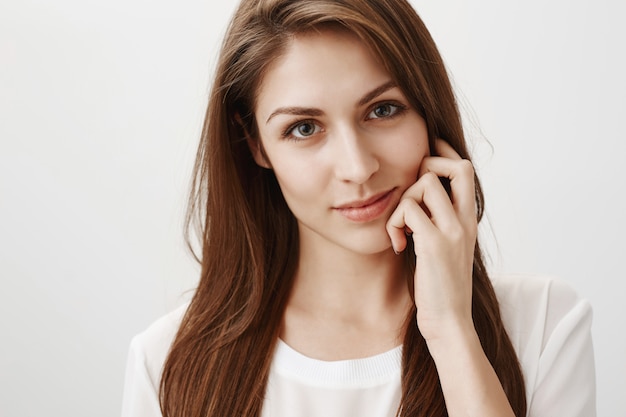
(146, 358)
(564, 381)
(141, 392)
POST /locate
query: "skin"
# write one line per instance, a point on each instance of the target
(336, 130)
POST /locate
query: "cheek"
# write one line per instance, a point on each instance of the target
(409, 153)
(298, 171)
(297, 181)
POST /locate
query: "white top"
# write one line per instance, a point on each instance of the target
(549, 326)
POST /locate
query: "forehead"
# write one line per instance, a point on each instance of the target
(317, 65)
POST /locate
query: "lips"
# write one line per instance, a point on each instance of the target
(368, 209)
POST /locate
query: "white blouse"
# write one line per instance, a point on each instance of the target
(549, 326)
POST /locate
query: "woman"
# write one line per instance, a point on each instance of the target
(340, 270)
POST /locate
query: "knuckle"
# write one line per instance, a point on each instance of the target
(391, 229)
(430, 178)
(407, 203)
(466, 166)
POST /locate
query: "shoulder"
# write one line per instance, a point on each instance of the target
(152, 345)
(549, 325)
(147, 354)
(534, 303)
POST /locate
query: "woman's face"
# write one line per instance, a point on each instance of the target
(341, 138)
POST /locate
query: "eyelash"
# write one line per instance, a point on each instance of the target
(398, 110)
(288, 133)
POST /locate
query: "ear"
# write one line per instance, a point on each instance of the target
(255, 146)
(258, 153)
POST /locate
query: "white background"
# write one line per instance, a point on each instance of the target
(100, 110)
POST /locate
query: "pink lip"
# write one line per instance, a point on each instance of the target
(368, 209)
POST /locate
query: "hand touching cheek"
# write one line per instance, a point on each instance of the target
(444, 229)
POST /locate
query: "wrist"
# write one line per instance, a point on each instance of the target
(452, 339)
(468, 380)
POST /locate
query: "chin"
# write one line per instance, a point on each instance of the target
(370, 245)
(374, 251)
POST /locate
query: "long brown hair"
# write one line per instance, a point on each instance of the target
(219, 362)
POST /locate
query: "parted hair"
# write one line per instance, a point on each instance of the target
(219, 361)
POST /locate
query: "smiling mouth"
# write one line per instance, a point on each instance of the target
(368, 209)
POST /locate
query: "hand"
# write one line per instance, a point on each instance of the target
(444, 230)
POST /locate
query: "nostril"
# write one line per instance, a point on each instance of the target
(358, 168)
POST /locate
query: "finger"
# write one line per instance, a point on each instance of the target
(444, 149)
(460, 173)
(407, 214)
(395, 229)
(430, 194)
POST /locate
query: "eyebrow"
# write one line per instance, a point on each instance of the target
(376, 92)
(296, 111)
(313, 112)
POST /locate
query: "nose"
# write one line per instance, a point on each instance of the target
(355, 159)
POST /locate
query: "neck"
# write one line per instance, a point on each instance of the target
(343, 282)
(345, 304)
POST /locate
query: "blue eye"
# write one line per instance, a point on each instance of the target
(384, 110)
(303, 130)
